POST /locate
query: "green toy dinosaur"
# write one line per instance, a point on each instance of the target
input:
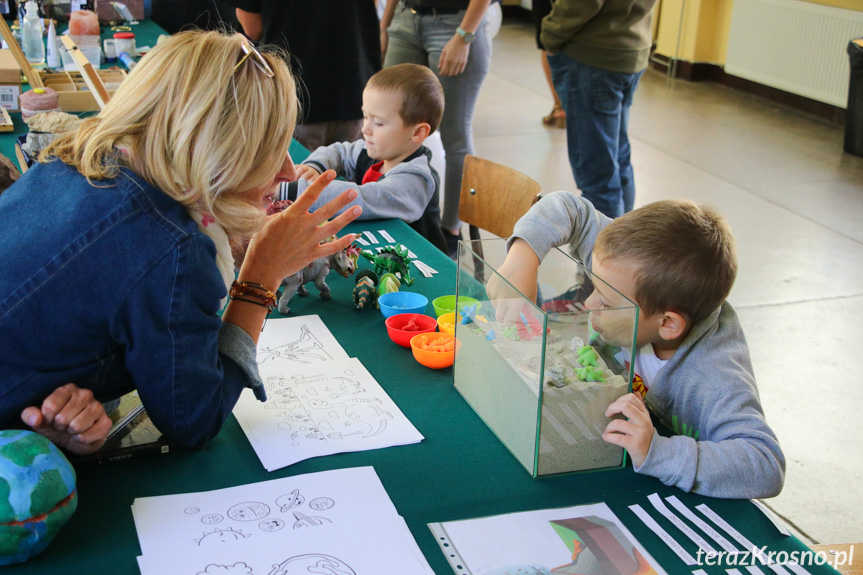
(392, 259)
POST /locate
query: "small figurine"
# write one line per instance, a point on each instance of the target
(587, 356)
(468, 313)
(388, 283)
(365, 293)
(392, 260)
(316, 272)
(491, 336)
(590, 373)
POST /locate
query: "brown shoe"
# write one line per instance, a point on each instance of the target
(556, 119)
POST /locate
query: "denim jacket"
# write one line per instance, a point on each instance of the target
(111, 286)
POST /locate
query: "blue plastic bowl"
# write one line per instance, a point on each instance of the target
(402, 302)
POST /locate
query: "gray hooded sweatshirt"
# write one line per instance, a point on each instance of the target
(706, 393)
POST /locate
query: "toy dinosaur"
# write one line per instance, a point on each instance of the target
(365, 293)
(316, 272)
(392, 259)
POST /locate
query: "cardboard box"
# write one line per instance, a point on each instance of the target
(10, 81)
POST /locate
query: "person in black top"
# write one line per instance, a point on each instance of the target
(335, 46)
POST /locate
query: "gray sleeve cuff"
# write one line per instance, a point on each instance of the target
(239, 347)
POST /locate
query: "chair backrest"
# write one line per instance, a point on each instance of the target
(494, 196)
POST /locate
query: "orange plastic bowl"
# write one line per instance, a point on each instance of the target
(434, 359)
(446, 323)
(396, 323)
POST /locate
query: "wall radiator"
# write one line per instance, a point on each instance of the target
(794, 46)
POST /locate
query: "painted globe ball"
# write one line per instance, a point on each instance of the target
(37, 494)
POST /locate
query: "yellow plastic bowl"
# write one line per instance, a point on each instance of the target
(446, 323)
(433, 359)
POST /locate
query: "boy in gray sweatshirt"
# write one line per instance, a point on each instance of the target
(402, 106)
(692, 371)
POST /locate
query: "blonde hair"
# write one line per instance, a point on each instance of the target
(194, 127)
(683, 256)
(420, 90)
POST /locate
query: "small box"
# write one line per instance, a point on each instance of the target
(74, 94)
(10, 82)
(542, 378)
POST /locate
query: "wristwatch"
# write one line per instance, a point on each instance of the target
(468, 37)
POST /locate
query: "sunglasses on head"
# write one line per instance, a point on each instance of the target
(252, 54)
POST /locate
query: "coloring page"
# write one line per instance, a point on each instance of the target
(297, 341)
(275, 509)
(321, 409)
(384, 545)
(583, 539)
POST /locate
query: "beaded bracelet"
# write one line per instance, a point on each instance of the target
(253, 290)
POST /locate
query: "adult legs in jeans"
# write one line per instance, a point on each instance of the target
(597, 104)
(419, 39)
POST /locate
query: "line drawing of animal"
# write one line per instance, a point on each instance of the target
(365, 292)
(392, 259)
(342, 262)
(304, 349)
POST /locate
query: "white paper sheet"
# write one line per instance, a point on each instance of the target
(531, 541)
(322, 409)
(672, 543)
(270, 510)
(296, 341)
(660, 506)
(701, 524)
(378, 546)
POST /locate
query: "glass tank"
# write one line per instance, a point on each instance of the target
(541, 372)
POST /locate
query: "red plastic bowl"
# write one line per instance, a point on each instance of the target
(396, 323)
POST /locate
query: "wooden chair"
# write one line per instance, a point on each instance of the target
(493, 198)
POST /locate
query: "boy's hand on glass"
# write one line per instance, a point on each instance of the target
(307, 172)
(71, 418)
(633, 433)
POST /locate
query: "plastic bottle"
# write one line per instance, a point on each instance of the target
(31, 33)
(54, 60)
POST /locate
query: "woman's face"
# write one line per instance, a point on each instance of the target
(264, 195)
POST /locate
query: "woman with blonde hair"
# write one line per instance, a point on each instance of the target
(115, 246)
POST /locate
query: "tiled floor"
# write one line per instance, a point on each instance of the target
(795, 202)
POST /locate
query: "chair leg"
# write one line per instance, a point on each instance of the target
(478, 265)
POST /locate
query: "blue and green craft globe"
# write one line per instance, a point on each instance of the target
(37, 494)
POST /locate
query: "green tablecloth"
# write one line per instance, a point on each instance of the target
(459, 471)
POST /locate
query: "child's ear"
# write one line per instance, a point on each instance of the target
(421, 132)
(672, 326)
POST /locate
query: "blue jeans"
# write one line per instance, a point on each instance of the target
(597, 106)
(419, 39)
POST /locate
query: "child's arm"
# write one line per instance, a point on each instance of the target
(557, 219)
(734, 455)
(403, 194)
(341, 157)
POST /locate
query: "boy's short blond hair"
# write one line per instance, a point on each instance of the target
(683, 256)
(421, 92)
